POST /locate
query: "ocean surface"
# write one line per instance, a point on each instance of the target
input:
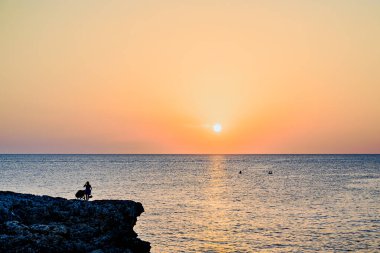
(200, 203)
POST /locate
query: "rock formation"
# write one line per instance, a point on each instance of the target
(30, 223)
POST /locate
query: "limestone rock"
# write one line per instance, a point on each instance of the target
(30, 223)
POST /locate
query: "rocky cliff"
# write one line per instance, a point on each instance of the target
(30, 223)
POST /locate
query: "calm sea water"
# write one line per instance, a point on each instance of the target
(200, 203)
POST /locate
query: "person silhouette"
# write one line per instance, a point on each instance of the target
(87, 191)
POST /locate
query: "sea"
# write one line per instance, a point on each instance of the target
(202, 203)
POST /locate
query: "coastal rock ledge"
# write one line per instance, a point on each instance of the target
(30, 223)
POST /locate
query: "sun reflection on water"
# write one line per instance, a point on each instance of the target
(216, 233)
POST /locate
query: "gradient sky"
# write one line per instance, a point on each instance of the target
(154, 76)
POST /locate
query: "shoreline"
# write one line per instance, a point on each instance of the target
(32, 223)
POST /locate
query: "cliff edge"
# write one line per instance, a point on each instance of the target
(30, 223)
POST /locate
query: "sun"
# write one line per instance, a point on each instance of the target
(217, 128)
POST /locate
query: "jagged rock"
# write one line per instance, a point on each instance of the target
(30, 223)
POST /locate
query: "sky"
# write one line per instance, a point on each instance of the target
(156, 76)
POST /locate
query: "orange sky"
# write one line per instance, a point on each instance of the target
(154, 76)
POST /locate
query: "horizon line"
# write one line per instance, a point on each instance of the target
(205, 154)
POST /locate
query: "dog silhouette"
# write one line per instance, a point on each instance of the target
(80, 194)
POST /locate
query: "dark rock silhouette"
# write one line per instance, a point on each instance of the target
(30, 223)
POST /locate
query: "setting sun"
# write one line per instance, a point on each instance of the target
(217, 128)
